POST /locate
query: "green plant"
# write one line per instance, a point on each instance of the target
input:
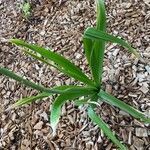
(26, 9)
(94, 40)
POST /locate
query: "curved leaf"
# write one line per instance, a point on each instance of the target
(101, 15)
(97, 55)
(44, 61)
(88, 46)
(61, 99)
(94, 49)
(92, 115)
(27, 82)
(125, 107)
(95, 34)
(91, 99)
(55, 90)
(31, 99)
(62, 62)
(39, 58)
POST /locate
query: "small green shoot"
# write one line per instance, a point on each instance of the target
(26, 9)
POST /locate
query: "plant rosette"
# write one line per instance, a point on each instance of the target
(94, 40)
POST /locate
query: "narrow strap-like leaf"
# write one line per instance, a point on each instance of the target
(84, 101)
(45, 61)
(97, 56)
(101, 15)
(39, 58)
(97, 53)
(55, 90)
(94, 49)
(27, 82)
(88, 46)
(62, 62)
(68, 87)
(61, 99)
(91, 99)
(125, 107)
(93, 116)
(30, 99)
(95, 34)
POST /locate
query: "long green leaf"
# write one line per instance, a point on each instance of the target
(27, 82)
(46, 62)
(55, 90)
(105, 128)
(62, 62)
(83, 102)
(94, 49)
(125, 107)
(30, 99)
(97, 54)
(101, 15)
(66, 88)
(88, 46)
(95, 34)
(61, 99)
(39, 58)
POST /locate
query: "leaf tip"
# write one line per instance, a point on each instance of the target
(11, 107)
(15, 41)
(54, 127)
(137, 55)
(11, 40)
(53, 123)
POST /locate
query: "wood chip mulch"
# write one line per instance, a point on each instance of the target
(59, 24)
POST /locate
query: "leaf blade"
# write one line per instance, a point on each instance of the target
(92, 115)
(64, 63)
(98, 46)
(26, 82)
(88, 45)
(97, 56)
(30, 99)
(55, 90)
(45, 61)
(39, 58)
(101, 15)
(122, 105)
(94, 34)
(61, 99)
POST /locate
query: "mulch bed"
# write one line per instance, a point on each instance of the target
(59, 25)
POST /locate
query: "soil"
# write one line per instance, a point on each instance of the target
(59, 24)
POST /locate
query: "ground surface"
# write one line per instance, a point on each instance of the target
(60, 25)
